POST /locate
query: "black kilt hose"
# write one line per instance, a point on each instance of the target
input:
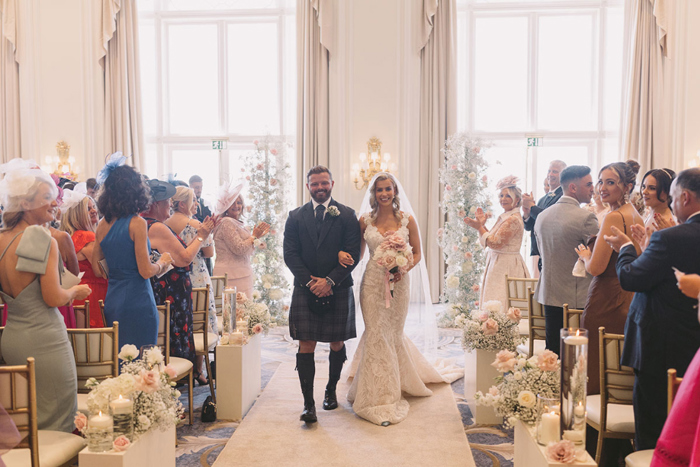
(335, 326)
(311, 250)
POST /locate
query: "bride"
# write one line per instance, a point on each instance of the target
(387, 362)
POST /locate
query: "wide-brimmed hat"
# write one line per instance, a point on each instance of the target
(227, 195)
(160, 191)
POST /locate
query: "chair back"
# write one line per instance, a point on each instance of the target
(2, 362)
(82, 315)
(616, 380)
(517, 293)
(18, 397)
(536, 321)
(164, 330)
(218, 284)
(572, 317)
(96, 353)
(673, 383)
(200, 311)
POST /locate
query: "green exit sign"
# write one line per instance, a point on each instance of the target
(534, 141)
(218, 144)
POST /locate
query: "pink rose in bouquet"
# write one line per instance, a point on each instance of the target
(483, 316)
(258, 328)
(120, 444)
(170, 371)
(148, 381)
(489, 327)
(80, 421)
(394, 255)
(548, 361)
(514, 314)
(505, 361)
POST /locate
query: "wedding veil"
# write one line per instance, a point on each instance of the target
(421, 323)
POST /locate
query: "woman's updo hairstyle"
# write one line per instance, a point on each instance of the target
(373, 196)
(664, 178)
(627, 171)
(124, 193)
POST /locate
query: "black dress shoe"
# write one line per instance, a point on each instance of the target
(330, 401)
(309, 415)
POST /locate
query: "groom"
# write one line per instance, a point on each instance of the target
(323, 305)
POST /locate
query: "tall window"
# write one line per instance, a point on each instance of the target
(551, 69)
(211, 70)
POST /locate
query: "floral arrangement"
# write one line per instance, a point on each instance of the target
(268, 176)
(394, 255)
(254, 312)
(514, 397)
(148, 383)
(463, 175)
(490, 329)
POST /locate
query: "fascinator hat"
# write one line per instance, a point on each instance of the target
(509, 181)
(115, 160)
(20, 185)
(160, 191)
(71, 198)
(228, 194)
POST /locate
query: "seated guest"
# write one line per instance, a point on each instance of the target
(122, 241)
(662, 329)
(234, 242)
(607, 304)
(175, 285)
(78, 223)
(30, 286)
(679, 444)
(503, 241)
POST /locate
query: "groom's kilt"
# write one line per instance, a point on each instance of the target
(335, 326)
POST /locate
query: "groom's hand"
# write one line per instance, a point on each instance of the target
(320, 287)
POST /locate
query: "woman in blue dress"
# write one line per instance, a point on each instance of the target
(122, 240)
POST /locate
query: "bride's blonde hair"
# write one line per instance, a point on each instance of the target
(396, 204)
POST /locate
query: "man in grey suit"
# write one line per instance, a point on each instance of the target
(559, 230)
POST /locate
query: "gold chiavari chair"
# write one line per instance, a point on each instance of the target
(204, 340)
(2, 362)
(37, 447)
(82, 315)
(535, 344)
(517, 298)
(572, 317)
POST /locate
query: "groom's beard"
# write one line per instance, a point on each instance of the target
(320, 195)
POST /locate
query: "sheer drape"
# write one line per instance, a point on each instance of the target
(9, 82)
(438, 120)
(315, 38)
(122, 109)
(645, 54)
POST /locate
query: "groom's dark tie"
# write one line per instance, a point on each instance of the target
(320, 209)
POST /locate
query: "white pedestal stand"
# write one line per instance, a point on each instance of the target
(154, 449)
(528, 453)
(479, 375)
(238, 378)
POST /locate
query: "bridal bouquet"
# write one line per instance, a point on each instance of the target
(394, 254)
(515, 394)
(256, 313)
(491, 329)
(146, 381)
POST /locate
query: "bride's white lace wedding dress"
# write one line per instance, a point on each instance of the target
(386, 361)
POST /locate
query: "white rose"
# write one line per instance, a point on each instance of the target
(452, 282)
(401, 261)
(128, 352)
(256, 295)
(472, 210)
(276, 294)
(154, 356)
(467, 267)
(518, 376)
(144, 421)
(527, 399)
(471, 175)
(494, 306)
(268, 278)
(267, 285)
(465, 239)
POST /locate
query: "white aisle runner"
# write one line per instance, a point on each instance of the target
(272, 435)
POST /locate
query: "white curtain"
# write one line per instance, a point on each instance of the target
(9, 82)
(122, 110)
(438, 120)
(315, 38)
(646, 48)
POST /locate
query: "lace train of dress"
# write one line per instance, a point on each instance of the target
(386, 362)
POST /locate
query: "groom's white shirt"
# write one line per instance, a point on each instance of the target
(315, 205)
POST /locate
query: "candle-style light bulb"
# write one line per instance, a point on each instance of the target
(387, 156)
(363, 156)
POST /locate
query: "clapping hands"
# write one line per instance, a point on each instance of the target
(661, 223)
(617, 239)
(480, 218)
(261, 229)
(528, 201)
(641, 235)
(207, 226)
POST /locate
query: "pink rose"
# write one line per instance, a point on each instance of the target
(148, 381)
(263, 245)
(242, 169)
(273, 181)
(461, 213)
(547, 361)
(468, 255)
(484, 179)
(258, 328)
(476, 287)
(259, 166)
(273, 152)
(455, 248)
(476, 303)
(489, 327)
(505, 361)
(440, 232)
(255, 142)
(483, 316)
(448, 188)
(120, 444)
(247, 177)
(454, 167)
(170, 371)
(563, 452)
(80, 421)
(493, 390)
(514, 314)
(249, 208)
(285, 308)
(241, 297)
(477, 150)
(273, 231)
(393, 241)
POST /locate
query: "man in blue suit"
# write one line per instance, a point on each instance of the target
(662, 329)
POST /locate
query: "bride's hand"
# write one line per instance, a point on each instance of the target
(345, 259)
(396, 277)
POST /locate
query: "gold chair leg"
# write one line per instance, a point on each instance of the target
(211, 379)
(190, 395)
(599, 448)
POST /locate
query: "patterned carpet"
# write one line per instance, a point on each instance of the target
(201, 443)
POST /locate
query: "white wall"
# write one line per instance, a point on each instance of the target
(691, 136)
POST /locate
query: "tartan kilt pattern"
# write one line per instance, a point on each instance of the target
(336, 326)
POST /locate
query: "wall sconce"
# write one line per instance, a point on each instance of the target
(371, 163)
(61, 164)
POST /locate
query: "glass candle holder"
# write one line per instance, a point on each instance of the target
(574, 365)
(228, 309)
(100, 433)
(548, 423)
(122, 410)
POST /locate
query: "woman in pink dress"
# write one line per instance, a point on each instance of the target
(234, 242)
